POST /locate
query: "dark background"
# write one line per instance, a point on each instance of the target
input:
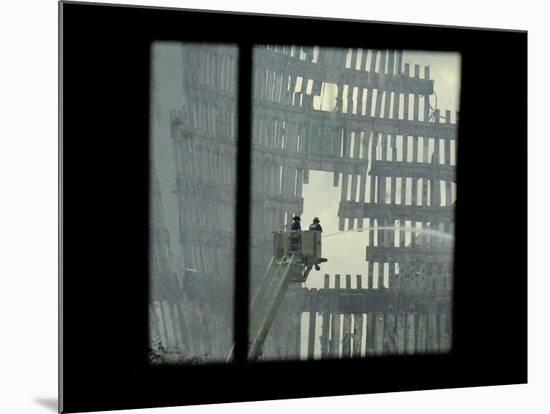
(105, 64)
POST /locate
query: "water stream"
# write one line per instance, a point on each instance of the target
(423, 232)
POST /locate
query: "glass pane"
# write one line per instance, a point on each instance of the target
(365, 141)
(193, 168)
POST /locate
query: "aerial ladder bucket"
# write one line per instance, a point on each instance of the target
(295, 254)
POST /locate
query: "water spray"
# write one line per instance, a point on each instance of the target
(423, 232)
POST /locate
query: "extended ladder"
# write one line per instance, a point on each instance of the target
(267, 299)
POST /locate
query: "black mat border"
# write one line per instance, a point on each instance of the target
(105, 69)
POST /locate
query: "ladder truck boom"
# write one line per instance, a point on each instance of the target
(294, 255)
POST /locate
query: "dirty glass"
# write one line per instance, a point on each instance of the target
(192, 201)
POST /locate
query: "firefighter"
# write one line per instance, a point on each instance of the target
(295, 226)
(295, 236)
(315, 226)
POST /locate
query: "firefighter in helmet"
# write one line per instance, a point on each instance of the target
(315, 226)
(295, 226)
(295, 235)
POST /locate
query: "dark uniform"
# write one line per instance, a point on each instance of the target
(315, 226)
(295, 226)
(296, 238)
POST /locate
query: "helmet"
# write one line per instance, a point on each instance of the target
(296, 218)
(316, 220)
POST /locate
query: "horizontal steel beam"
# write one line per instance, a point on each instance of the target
(373, 300)
(282, 63)
(408, 254)
(414, 169)
(352, 122)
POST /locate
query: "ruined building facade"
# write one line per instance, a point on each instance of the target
(390, 152)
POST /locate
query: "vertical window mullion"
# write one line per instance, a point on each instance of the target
(242, 222)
